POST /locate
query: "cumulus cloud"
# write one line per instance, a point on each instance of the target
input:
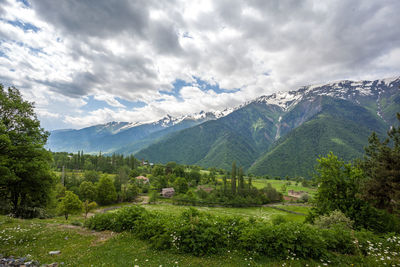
(64, 52)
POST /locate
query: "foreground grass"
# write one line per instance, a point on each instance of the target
(81, 247)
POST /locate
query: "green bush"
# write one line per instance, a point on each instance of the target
(279, 219)
(332, 219)
(200, 233)
(284, 240)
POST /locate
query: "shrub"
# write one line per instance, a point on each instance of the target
(332, 219)
(200, 233)
(278, 220)
(284, 240)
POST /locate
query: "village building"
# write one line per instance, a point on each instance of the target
(168, 192)
(205, 188)
(296, 194)
(142, 179)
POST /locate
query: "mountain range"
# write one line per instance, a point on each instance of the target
(279, 134)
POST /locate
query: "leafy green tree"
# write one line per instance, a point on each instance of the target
(106, 193)
(60, 191)
(194, 177)
(87, 191)
(25, 177)
(92, 176)
(160, 182)
(158, 170)
(179, 171)
(338, 185)
(129, 192)
(181, 185)
(121, 178)
(381, 164)
(154, 196)
(88, 207)
(70, 204)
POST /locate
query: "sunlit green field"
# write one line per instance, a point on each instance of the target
(277, 184)
(264, 213)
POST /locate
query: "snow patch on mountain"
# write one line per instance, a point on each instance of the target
(348, 90)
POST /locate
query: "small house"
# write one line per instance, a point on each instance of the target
(296, 194)
(205, 188)
(142, 179)
(168, 192)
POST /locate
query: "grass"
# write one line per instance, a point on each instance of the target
(264, 213)
(81, 247)
(301, 209)
(277, 184)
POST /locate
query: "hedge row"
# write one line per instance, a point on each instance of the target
(201, 233)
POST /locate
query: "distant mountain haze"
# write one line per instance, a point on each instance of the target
(280, 134)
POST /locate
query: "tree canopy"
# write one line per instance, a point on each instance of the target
(25, 176)
(381, 165)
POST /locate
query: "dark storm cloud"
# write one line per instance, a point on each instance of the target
(100, 18)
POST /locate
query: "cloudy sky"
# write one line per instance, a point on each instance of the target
(85, 62)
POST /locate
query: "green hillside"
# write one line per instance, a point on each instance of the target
(296, 154)
(240, 136)
(341, 127)
(265, 140)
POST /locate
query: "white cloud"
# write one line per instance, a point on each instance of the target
(133, 50)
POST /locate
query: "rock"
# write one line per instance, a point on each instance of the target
(55, 252)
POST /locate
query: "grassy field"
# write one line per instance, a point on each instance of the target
(265, 213)
(81, 247)
(277, 184)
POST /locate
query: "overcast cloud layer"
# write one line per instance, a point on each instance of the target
(89, 62)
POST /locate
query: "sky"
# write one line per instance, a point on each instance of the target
(86, 62)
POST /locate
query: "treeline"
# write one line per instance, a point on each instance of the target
(233, 190)
(102, 163)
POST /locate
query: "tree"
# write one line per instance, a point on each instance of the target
(381, 164)
(87, 191)
(106, 193)
(194, 177)
(129, 192)
(158, 170)
(179, 171)
(121, 178)
(338, 185)
(70, 204)
(25, 177)
(88, 207)
(241, 180)
(181, 185)
(92, 176)
(233, 179)
(339, 189)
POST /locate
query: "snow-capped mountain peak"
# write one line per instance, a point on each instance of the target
(345, 89)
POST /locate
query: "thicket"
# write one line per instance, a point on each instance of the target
(201, 233)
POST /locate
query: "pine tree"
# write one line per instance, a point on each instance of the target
(382, 167)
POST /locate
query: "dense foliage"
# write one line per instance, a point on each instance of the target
(25, 177)
(200, 233)
(382, 167)
(340, 189)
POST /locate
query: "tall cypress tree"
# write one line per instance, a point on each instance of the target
(241, 181)
(233, 179)
(224, 180)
